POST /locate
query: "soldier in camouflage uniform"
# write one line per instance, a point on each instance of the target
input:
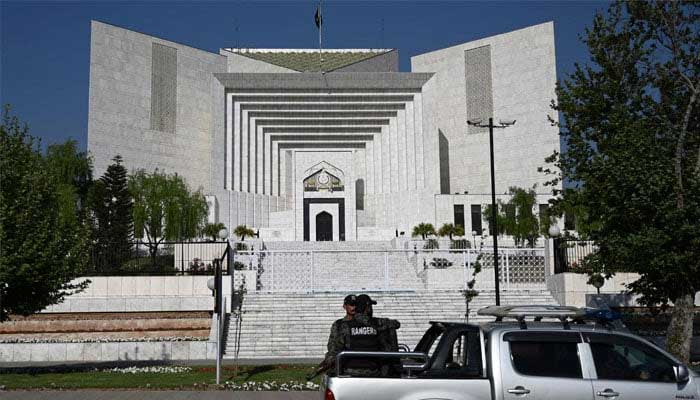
(362, 333)
(349, 306)
(386, 333)
(387, 327)
(334, 347)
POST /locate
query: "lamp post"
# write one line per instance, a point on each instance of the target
(3, 286)
(554, 232)
(502, 124)
(216, 285)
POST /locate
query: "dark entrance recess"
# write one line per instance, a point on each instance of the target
(341, 217)
(324, 227)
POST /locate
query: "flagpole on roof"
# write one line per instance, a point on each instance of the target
(319, 23)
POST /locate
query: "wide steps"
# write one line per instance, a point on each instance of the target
(297, 325)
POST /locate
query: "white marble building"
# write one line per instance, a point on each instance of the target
(359, 151)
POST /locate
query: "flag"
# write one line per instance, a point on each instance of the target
(318, 18)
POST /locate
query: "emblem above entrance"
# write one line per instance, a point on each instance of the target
(323, 181)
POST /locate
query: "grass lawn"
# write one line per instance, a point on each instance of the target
(198, 377)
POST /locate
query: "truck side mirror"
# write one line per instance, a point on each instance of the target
(682, 374)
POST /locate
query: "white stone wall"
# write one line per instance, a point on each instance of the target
(572, 289)
(120, 106)
(375, 234)
(107, 351)
(249, 209)
(282, 218)
(523, 77)
(148, 293)
(277, 234)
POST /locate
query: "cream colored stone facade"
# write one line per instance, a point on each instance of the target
(248, 131)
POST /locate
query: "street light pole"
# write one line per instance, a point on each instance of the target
(494, 210)
(494, 213)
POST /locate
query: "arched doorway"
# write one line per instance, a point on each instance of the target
(324, 227)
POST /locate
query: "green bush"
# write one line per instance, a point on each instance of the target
(431, 244)
(144, 265)
(459, 244)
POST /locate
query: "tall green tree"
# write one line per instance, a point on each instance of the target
(526, 227)
(111, 203)
(631, 127)
(41, 252)
(165, 209)
(517, 218)
(71, 171)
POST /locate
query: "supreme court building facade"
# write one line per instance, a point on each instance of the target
(346, 148)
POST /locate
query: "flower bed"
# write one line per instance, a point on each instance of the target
(106, 340)
(158, 376)
(160, 369)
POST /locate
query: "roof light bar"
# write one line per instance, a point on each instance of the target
(536, 311)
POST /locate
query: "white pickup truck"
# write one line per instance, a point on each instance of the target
(570, 359)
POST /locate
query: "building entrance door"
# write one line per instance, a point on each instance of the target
(324, 227)
(324, 219)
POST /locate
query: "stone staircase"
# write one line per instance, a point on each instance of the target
(301, 286)
(296, 325)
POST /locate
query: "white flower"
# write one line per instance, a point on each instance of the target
(155, 369)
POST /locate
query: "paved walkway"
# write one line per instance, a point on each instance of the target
(156, 395)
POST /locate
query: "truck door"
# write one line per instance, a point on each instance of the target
(628, 368)
(543, 365)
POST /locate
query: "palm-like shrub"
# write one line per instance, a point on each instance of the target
(451, 230)
(242, 231)
(212, 230)
(423, 229)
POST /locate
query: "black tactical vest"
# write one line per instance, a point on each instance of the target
(363, 337)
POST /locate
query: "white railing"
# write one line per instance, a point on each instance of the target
(290, 271)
